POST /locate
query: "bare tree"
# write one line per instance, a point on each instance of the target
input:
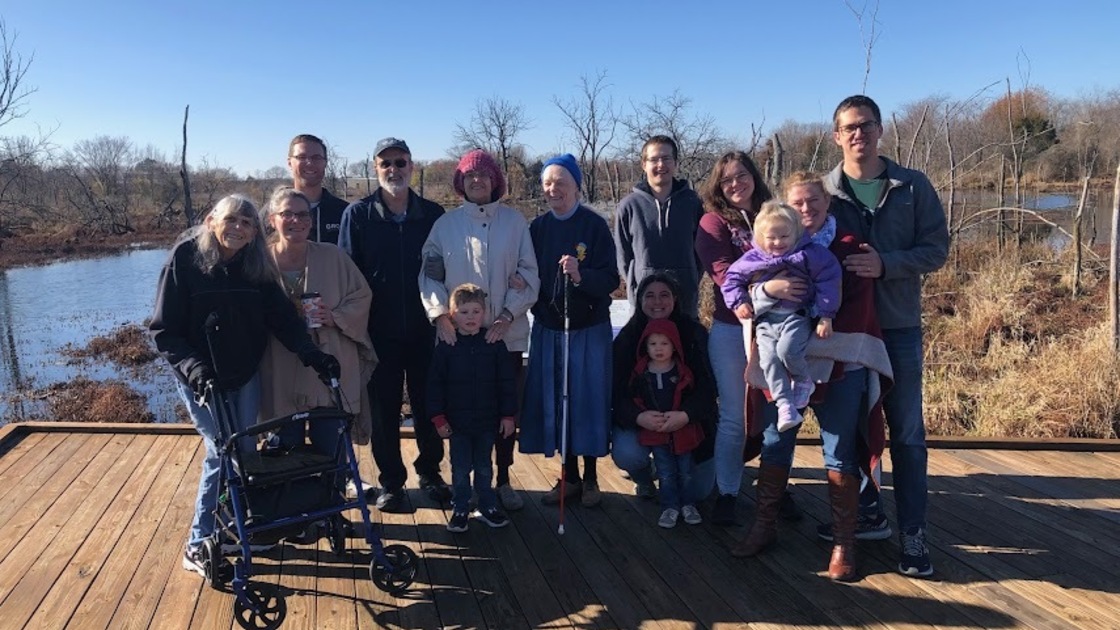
(494, 126)
(1114, 268)
(184, 174)
(100, 171)
(593, 120)
(698, 138)
(867, 36)
(14, 91)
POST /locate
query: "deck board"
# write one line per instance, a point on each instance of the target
(92, 525)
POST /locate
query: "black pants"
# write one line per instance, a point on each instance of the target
(401, 361)
(504, 446)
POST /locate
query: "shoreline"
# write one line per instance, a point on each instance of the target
(34, 250)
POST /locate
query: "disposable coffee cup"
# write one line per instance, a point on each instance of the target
(311, 302)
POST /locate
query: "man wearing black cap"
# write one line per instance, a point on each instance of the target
(384, 234)
(307, 160)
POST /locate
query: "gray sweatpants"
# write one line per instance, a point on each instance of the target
(781, 338)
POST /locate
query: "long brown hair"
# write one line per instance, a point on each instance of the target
(712, 192)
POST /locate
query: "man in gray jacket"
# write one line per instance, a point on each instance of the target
(895, 211)
(655, 226)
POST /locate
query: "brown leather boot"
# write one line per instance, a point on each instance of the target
(771, 484)
(843, 493)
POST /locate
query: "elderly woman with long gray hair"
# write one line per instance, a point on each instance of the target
(220, 272)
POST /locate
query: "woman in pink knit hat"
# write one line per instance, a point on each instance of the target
(486, 243)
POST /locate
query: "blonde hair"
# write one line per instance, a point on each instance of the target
(773, 212)
(466, 293)
(804, 178)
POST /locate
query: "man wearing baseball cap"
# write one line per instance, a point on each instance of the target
(384, 234)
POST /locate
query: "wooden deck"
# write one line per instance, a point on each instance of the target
(93, 520)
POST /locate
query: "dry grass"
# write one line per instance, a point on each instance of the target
(1010, 351)
(128, 345)
(84, 400)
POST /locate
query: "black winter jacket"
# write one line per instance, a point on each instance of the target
(472, 383)
(388, 254)
(327, 218)
(247, 313)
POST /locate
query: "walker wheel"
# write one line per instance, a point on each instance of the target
(260, 607)
(212, 562)
(394, 571)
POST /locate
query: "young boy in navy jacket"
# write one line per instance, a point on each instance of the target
(472, 395)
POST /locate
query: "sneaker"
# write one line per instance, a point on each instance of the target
(788, 510)
(788, 418)
(868, 527)
(492, 517)
(691, 515)
(509, 498)
(552, 497)
(372, 494)
(393, 502)
(592, 496)
(724, 511)
(914, 560)
(802, 390)
(192, 561)
(645, 491)
(458, 522)
(668, 518)
(435, 488)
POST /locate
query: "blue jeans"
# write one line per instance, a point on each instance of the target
(729, 363)
(906, 425)
(324, 435)
(839, 417)
(244, 402)
(631, 456)
(470, 452)
(673, 475)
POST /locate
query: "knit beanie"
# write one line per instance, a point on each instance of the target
(479, 160)
(568, 161)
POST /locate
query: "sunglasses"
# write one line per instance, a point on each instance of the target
(399, 163)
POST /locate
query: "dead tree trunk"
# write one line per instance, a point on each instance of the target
(1114, 268)
(951, 206)
(1077, 218)
(1001, 194)
(188, 209)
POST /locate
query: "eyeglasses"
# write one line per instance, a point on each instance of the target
(661, 159)
(295, 216)
(866, 126)
(399, 163)
(741, 178)
(308, 159)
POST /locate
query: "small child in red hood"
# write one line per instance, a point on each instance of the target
(659, 383)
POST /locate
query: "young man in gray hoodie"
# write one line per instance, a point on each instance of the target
(655, 226)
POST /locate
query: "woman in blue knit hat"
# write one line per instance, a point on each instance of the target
(575, 251)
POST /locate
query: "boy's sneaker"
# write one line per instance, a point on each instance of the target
(509, 498)
(691, 515)
(457, 523)
(668, 518)
(914, 560)
(868, 527)
(788, 418)
(192, 561)
(492, 517)
(802, 390)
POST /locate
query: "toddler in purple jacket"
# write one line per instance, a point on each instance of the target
(782, 327)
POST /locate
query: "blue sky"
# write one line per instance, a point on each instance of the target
(255, 74)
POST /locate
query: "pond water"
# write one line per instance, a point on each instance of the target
(42, 309)
(45, 309)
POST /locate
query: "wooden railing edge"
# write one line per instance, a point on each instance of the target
(1008, 443)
